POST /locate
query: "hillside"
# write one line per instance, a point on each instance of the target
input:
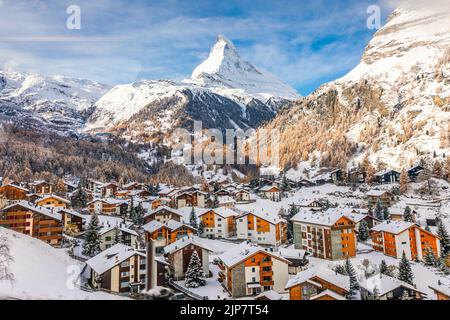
(41, 271)
(393, 107)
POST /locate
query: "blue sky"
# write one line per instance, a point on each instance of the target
(304, 43)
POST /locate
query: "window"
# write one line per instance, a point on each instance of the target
(107, 239)
(253, 269)
(125, 264)
(124, 285)
(124, 274)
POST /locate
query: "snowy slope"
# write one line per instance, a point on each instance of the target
(224, 92)
(41, 271)
(224, 68)
(394, 105)
(59, 101)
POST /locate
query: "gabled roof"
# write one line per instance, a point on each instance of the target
(328, 292)
(244, 251)
(223, 212)
(37, 209)
(112, 257)
(172, 225)
(271, 218)
(270, 295)
(323, 273)
(73, 213)
(54, 197)
(161, 208)
(385, 284)
(109, 201)
(183, 242)
(268, 188)
(394, 227)
(386, 171)
(443, 286)
(16, 186)
(327, 218)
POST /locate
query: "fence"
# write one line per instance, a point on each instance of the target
(186, 291)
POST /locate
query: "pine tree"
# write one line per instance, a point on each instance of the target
(386, 214)
(445, 239)
(429, 259)
(117, 236)
(437, 169)
(340, 269)
(79, 198)
(363, 231)
(91, 245)
(405, 295)
(354, 285)
(131, 209)
(384, 269)
(138, 215)
(194, 272)
(407, 216)
(405, 271)
(379, 211)
(201, 228)
(193, 219)
(404, 180)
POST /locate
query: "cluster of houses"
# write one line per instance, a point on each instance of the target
(259, 265)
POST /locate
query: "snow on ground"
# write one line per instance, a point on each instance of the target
(42, 272)
(423, 276)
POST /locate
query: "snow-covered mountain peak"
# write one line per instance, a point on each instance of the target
(224, 68)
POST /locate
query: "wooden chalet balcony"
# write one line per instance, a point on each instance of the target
(267, 283)
(266, 273)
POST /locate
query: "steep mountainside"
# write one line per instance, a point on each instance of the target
(57, 103)
(224, 92)
(394, 106)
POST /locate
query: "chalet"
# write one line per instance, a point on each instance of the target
(387, 176)
(119, 269)
(359, 215)
(262, 228)
(178, 255)
(108, 207)
(398, 214)
(222, 193)
(248, 269)
(326, 235)
(158, 202)
(395, 237)
(73, 221)
(163, 214)
(385, 197)
(127, 236)
(108, 190)
(309, 203)
(95, 187)
(318, 283)
(166, 233)
(14, 192)
(42, 187)
(226, 201)
(269, 173)
(441, 290)
(241, 195)
(35, 221)
(53, 201)
(70, 186)
(218, 223)
(272, 193)
(337, 176)
(297, 258)
(414, 172)
(383, 287)
(356, 176)
(133, 186)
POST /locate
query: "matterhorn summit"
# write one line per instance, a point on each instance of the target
(224, 68)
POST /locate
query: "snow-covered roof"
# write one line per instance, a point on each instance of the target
(383, 172)
(107, 228)
(376, 193)
(111, 257)
(268, 188)
(38, 209)
(328, 292)
(384, 284)
(291, 253)
(183, 242)
(152, 226)
(52, 196)
(327, 218)
(110, 201)
(73, 213)
(394, 227)
(171, 225)
(225, 199)
(243, 251)
(323, 273)
(225, 212)
(269, 217)
(16, 186)
(443, 286)
(161, 208)
(271, 295)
